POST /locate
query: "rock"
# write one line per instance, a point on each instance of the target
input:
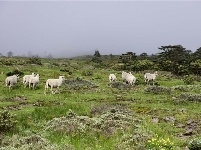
(188, 132)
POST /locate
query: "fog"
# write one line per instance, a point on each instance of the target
(74, 28)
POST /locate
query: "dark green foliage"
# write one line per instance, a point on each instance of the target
(66, 70)
(97, 54)
(128, 60)
(87, 73)
(97, 57)
(195, 144)
(197, 54)
(96, 60)
(188, 79)
(142, 65)
(175, 59)
(15, 72)
(140, 80)
(195, 66)
(34, 60)
(7, 121)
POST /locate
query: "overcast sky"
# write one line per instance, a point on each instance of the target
(71, 28)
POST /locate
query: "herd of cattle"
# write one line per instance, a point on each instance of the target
(33, 79)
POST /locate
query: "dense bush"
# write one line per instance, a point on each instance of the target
(34, 60)
(15, 72)
(66, 70)
(87, 72)
(188, 79)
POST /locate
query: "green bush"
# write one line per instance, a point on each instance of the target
(15, 72)
(7, 121)
(34, 60)
(188, 79)
(195, 144)
(87, 73)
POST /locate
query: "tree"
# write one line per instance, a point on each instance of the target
(175, 59)
(29, 54)
(142, 56)
(49, 56)
(97, 54)
(197, 54)
(96, 57)
(142, 65)
(10, 54)
(195, 67)
(128, 59)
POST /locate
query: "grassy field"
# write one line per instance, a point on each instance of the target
(89, 114)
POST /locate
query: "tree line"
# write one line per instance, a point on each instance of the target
(173, 58)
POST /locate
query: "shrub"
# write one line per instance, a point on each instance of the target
(34, 60)
(77, 84)
(195, 144)
(7, 121)
(188, 97)
(110, 120)
(158, 90)
(188, 79)
(136, 140)
(29, 142)
(87, 73)
(14, 72)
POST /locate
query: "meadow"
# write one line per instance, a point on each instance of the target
(91, 113)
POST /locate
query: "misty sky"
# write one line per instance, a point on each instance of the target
(71, 28)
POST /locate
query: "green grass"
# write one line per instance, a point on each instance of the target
(37, 109)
